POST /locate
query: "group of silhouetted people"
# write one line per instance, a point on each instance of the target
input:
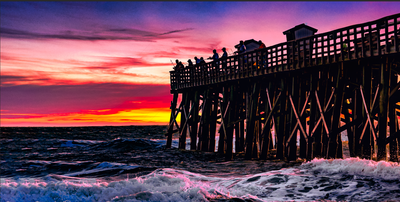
(215, 57)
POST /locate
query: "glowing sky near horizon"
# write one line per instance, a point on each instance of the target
(108, 63)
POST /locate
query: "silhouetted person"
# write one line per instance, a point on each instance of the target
(223, 58)
(202, 61)
(242, 59)
(197, 60)
(242, 48)
(179, 65)
(215, 56)
(224, 53)
(190, 63)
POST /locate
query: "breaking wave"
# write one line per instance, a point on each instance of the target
(351, 179)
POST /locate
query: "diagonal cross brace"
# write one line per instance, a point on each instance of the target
(272, 111)
(270, 106)
(322, 117)
(223, 116)
(368, 116)
(203, 105)
(174, 117)
(394, 90)
(187, 118)
(297, 123)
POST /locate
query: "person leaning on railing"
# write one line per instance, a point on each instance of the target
(262, 60)
(179, 66)
(223, 59)
(190, 63)
(242, 59)
(215, 59)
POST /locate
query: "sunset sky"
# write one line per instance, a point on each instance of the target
(108, 63)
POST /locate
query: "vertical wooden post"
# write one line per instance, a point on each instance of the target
(357, 114)
(280, 128)
(257, 122)
(172, 119)
(366, 144)
(185, 111)
(292, 147)
(222, 135)
(383, 110)
(313, 110)
(229, 131)
(250, 124)
(323, 95)
(213, 120)
(334, 136)
(237, 111)
(241, 123)
(303, 89)
(205, 133)
(393, 121)
(195, 120)
(266, 136)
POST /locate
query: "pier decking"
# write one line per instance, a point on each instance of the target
(297, 97)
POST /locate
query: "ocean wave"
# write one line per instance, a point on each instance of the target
(320, 179)
(124, 145)
(356, 166)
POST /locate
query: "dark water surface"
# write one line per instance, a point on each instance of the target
(130, 163)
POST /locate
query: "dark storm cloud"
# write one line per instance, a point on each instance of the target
(103, 35)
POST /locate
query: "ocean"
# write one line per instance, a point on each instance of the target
(130, 163)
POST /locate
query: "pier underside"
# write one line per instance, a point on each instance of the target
(296, 100)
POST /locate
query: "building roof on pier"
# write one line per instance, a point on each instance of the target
(299, 31)
(299, 27)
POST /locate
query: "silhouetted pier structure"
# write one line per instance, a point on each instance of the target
(295, 98)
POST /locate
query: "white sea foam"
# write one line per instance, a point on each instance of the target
(348, 179)
(357, 166)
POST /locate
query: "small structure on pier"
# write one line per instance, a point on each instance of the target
(294, 99)
(250, 44)
(299, 31)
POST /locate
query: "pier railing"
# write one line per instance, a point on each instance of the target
(375, 38)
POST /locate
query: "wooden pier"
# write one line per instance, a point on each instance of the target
(294, 99)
